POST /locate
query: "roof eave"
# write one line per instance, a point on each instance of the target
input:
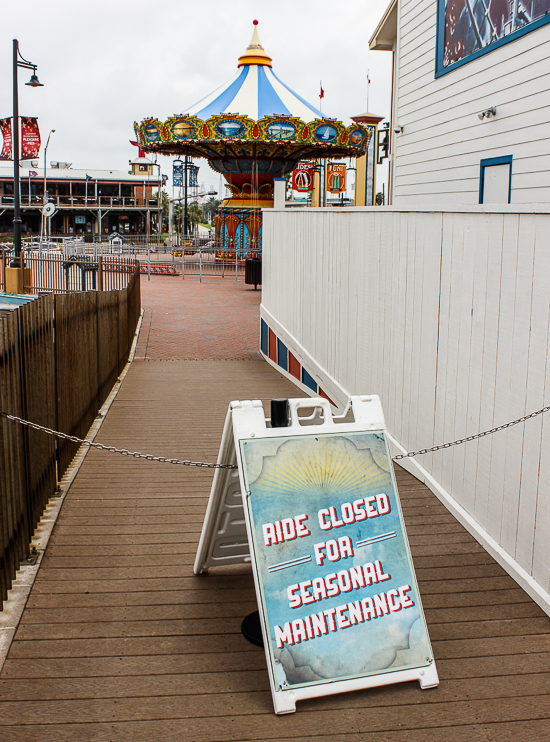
(385, 34)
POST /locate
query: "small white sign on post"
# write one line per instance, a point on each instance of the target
(321, 524)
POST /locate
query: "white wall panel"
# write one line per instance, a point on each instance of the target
(437, 156)
(446, 315)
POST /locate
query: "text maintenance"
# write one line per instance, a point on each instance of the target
(333, 583)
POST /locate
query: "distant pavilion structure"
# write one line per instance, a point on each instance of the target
(253, 130)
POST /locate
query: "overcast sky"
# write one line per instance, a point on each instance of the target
(107, 63)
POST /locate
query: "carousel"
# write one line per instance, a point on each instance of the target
(252, 130)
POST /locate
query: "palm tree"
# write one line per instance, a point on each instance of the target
(194, 215)
(210, 207)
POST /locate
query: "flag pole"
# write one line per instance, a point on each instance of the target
(368, 89)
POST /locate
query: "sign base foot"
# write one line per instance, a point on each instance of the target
(251, 629)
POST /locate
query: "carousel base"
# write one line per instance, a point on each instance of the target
(239, 230)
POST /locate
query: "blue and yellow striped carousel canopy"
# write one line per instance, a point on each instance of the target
(255, 106)
(255, 91)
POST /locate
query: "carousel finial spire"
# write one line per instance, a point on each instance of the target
(255, 53)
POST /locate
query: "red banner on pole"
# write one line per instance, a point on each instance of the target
(302, 176)
(7, 150)
(30, 138)
(336, 177)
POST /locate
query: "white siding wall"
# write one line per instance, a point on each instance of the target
(437, 157)
(445, 315)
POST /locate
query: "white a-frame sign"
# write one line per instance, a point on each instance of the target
(314, 507)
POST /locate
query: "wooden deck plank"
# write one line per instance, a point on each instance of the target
(77, 698)
(174, 731)
(82, 600)
(207, 718)
(194, 609)
(136, 646)
(230, 621)
(475, 564)
(174, 664)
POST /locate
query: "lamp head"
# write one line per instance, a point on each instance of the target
(34, 82)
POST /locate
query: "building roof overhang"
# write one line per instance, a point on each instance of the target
(55, 174)
(383, 38)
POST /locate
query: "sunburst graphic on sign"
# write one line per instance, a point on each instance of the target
(317, 465)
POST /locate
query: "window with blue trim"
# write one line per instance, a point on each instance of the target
(495, 180)
(467, 29)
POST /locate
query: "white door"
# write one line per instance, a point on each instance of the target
(496, 184)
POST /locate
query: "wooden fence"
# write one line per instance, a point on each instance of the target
(59, 358)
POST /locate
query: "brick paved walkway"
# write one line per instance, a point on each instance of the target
(186, 319)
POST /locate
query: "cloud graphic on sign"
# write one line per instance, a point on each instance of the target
(361, 650)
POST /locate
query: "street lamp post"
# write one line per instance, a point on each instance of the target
(18, 61)
(45, 201)
(159, 207)
(185, 213)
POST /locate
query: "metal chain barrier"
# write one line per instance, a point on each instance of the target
(113, 449)
(202, 464)
(410, 454)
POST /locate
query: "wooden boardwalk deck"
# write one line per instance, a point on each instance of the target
(120, 641)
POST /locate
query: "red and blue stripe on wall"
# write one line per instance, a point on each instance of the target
(274, 348)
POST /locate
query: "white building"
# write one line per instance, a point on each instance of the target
(471, 100)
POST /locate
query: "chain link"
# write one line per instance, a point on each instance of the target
(204, 465)
(113, 449)
(410, 454)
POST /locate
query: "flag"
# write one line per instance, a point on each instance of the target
(193, 173)
(5, 128)
(322, 93)
(302, 176)
(32, 173)
(336, 177)
(177, 176)
(164, 179)
(141, 153)
(88, 177)
(30, 138)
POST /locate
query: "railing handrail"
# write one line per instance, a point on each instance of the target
(73, 272)
(123, 202)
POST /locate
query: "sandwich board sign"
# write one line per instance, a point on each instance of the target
(314, 508)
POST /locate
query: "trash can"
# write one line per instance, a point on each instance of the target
(253, 271)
